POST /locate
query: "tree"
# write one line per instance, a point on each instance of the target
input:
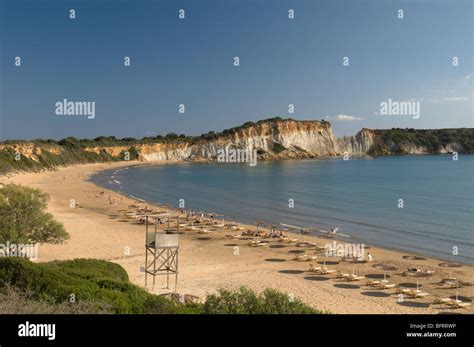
(23, 217)
(171, 136)
(69, 142)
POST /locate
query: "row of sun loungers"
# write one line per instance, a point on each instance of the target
(385, 284)
(207, 227)
(377, 284)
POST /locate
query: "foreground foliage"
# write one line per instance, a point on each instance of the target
(97, 286)
(246, 301)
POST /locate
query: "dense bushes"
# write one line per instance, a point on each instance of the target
(433, 139)
(14, 301)
(99, 286)
(246, 301)
(83, 280)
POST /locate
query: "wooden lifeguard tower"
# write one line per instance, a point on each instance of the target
(161, 254)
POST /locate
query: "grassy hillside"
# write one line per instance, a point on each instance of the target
(103, 287)
(72, 151)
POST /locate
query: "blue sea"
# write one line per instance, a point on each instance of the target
(360, 196)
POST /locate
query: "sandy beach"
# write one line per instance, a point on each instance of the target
(207, 262)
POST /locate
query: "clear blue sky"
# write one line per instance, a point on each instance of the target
(191, 62)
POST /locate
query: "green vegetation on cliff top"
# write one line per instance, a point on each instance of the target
(75, 151)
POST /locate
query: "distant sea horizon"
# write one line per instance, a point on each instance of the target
(417, 204)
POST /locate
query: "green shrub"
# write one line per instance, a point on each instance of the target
(246, 301)
(88, 280)
(14, 301)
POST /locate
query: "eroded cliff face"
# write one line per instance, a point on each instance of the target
(314, 137)
(31, 150)
(149, 152)
(277, 140)
(358, 145)
(273, 140)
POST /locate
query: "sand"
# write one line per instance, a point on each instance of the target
(208, 262)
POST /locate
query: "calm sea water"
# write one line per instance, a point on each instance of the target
(360, 196)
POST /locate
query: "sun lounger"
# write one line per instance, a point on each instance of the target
(313, 268)
(414, 293)
(417, 272)
(354, 277)
(380, 284)
(443, 301)
(288, 240)
(343, 275)
(257, 243)
(454, 303)
(305, 257)
(321, 270)
(452, 285)
(386, 286)
(420, 295)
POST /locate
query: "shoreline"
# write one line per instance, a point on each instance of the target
(355, 239)
(208, 263)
